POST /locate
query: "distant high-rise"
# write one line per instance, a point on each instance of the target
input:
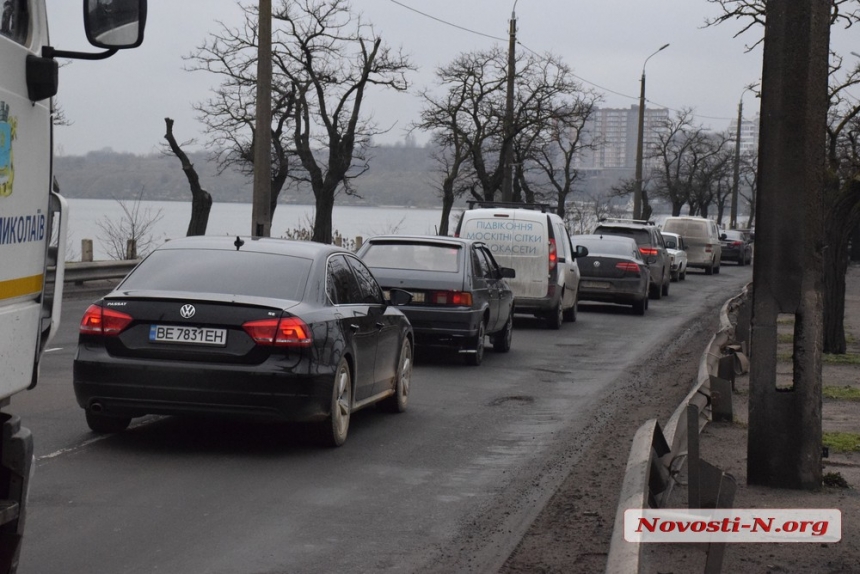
(749, 133)
(612, 135)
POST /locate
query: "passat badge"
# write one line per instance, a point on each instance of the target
(187, 311)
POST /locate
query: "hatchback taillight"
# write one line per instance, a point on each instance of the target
(451, 298)
(626, 267)
(553, 255)
(648, 252)
(737, 243)
(101, 321)
(283, 332)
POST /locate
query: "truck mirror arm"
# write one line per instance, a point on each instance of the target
(51, 52)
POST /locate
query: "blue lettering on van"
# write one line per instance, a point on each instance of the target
(22, 228)
(506, 225)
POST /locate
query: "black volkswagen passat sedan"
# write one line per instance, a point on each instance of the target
(459, 293)
(614, 271)
(269, 328)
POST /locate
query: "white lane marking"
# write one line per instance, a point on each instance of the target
(88, 442)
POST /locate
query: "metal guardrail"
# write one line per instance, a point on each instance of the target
(645, 485)
(83, 271)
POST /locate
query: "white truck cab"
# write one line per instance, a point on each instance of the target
(33, 216)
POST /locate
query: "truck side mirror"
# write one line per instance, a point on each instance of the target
(115, 24)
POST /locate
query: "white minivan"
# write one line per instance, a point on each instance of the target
(534, 242)
(702, 237)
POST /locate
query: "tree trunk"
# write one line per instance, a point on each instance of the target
(322, 217)
(676, 208)
(842, 217)
(447, 205)
(201, 201)
(855, 243)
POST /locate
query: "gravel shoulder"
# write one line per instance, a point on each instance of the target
(572, 533)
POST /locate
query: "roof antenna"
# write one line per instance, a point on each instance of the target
(238, 243)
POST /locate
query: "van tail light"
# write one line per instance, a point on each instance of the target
(451, 298)
(648, 251)
(553, 255)
(628, 268)
(283, 332)
(709, 248)
(106, 322)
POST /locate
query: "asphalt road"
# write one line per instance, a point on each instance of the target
(407, 493)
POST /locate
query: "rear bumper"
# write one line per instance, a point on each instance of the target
(538, 305)
(439, 326)
(127, 387)
(619, 293)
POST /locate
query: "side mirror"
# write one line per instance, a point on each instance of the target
(508, 273)
(651, 259)
(399, 297)
(115, 24)
(723, 236)
(581, 251)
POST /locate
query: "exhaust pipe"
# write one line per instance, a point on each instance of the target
(97, 408)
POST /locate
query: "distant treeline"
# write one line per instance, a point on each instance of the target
(398, 175)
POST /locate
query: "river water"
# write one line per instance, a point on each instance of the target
(235, 219)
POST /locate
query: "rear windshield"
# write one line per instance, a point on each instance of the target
(226, 272)
(641, 236)
(687, 228)
(670, 241)
(607, 247)
(417, 256)
(734, 235)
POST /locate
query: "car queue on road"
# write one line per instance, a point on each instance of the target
(310, 333)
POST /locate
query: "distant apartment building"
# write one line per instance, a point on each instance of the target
(611, 135)
(749, 133)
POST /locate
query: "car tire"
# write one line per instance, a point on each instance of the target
(569, 315)
(682, 276)
(741, 260)
(334, 430)
(397, 402)
(717, 270)
(665, 289)
(640, 306)
(502, 339)
(106, 423)
(556, 317)
(709, 270)
(676, 276)
(476, 358)
(655, 292)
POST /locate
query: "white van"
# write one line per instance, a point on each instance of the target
(702, 237)
(534, 242)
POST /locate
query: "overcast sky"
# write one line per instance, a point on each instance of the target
(121, 103)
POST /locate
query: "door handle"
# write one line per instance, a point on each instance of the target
(380, 326)
(354, 328)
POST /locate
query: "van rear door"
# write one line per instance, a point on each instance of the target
(517, 240)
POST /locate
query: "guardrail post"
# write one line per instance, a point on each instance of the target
(721, 399)
(693, 475)
(131, 249)
(359, 241)
(86, 250)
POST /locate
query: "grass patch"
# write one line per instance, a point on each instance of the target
(786, 321)
(785, 338)
(834, 479)
(841, 393)
(842, 441)
(784, 357)
(846, 359)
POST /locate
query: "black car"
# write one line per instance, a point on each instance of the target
(651, 246)
(737, 246)
(459, 293)
(613, 271)
(270, 328)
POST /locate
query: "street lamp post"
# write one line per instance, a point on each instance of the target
(637, 191)
(261, 217)
(508, 144)
(733, 223)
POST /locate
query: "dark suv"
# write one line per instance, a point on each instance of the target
(651, 246)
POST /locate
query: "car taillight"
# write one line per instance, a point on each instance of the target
(737, 243)
(284, 332)
(628, 267)
(452, 298)
(553, 255)
(101, 321)
(648, 252)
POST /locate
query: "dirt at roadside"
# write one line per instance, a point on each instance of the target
(572, 534)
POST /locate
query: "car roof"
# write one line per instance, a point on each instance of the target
(627, 224)
(606, 237)
(672, 233)
(272, 245)
(443, 239)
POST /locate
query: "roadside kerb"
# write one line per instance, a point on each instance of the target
(640, 483)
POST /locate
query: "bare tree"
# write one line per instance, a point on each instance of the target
(749, 177)
(134, 226)
(324, 59)
(201, 200)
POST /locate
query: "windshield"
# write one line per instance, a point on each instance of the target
(218, 271)
(444, 258)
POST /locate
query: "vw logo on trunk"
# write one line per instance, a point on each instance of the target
(187, 311)
(596, 264)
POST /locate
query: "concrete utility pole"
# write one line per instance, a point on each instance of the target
(733, 224)
(784, 440)
(640, 143)
(508, 179)
(261, 218)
